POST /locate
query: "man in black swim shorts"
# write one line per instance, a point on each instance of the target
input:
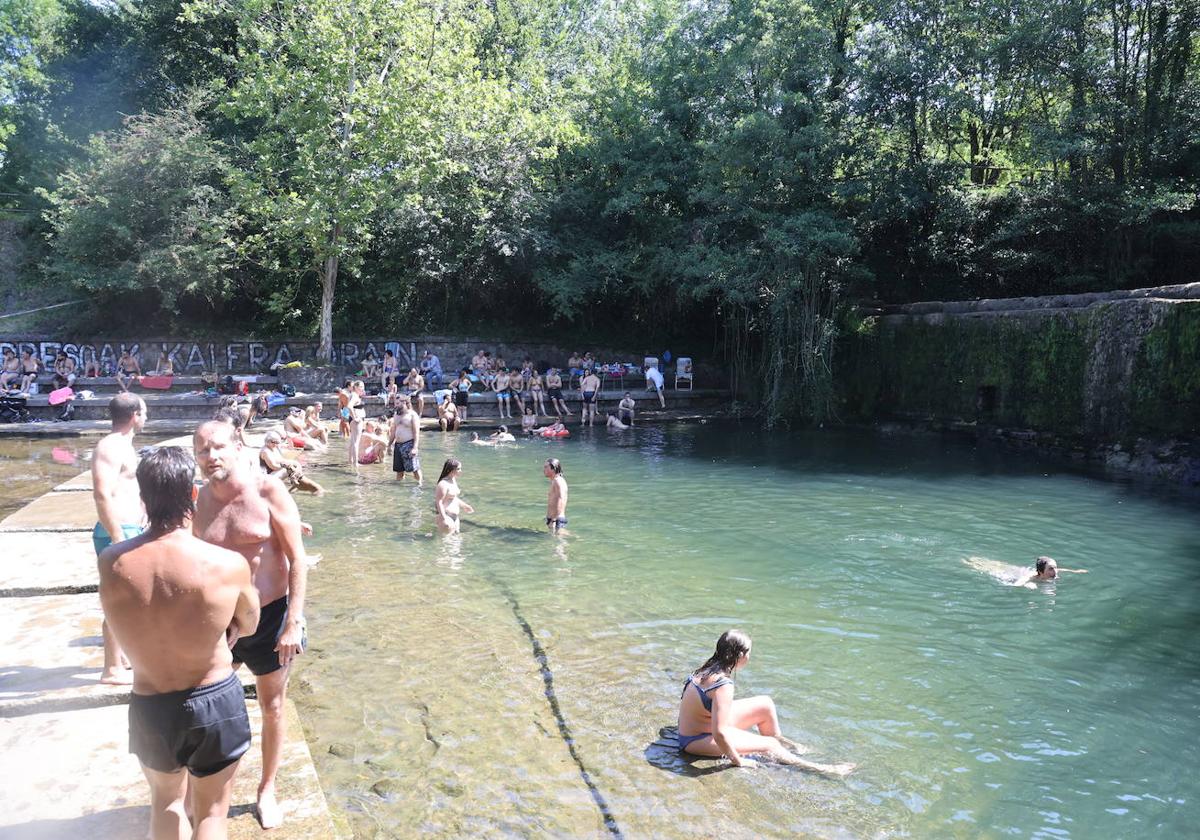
(172, 601)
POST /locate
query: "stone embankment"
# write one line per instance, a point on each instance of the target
(1110, 377)
(63, 736)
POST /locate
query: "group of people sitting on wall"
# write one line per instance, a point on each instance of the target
(21, 374)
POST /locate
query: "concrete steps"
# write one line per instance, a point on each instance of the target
(187, 406)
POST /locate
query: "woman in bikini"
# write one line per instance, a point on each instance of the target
(461, 387)
(447, 502)
(355, 414)
(712, 723)
(537, 393)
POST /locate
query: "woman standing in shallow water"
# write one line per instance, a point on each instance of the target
(712, 723)
(447, 500)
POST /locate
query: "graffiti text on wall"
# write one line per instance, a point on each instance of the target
(231, 357)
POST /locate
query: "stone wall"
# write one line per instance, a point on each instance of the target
(1098, 369)
(256, 356)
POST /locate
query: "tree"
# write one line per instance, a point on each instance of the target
(144, 222)
(344, 108)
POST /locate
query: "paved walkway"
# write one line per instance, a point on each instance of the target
(63, 736)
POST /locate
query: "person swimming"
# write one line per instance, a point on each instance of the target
(1044, 569)
(712, 723)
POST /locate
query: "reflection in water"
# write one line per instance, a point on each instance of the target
(971, 708)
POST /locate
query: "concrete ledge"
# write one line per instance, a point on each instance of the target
(53, 512)
(69, 775)
(33, 561)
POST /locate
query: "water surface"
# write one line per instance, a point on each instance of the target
(973, 709)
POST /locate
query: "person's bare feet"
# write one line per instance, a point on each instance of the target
(798, 749)
(270, 815)
(842, 770)
(116, 676)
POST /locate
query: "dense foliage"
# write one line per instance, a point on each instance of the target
(729, 173)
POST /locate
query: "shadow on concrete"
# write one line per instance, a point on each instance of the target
(27, 679)
(665, 755)
(129, 823)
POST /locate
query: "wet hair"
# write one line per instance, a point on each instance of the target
(529, 409)
(450, 466)
(503, 429)
(123, 406)
(164, 480)
(1042, 562)
(731, 647)
(229, 414)
(555, 465)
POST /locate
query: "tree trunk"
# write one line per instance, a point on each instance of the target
(328, 284)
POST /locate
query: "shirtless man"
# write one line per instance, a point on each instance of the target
(10, 376)
(1044, 569)
(556, 503)
(414, 385)
(242, 509)
(554, 392)
(589, 393)
(118, 505)
(176, 603)
(625, 409)
(405, 439)
(503, 395)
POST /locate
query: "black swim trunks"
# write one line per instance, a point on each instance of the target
(559, 523)
(625, 415)
(258, 651)
(554, 393)
(403, 460)
(204, 729)
(589, 397)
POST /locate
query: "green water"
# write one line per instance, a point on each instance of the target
(973, 709)
(31, 466)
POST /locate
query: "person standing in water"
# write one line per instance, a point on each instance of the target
(405, 440)
(119, 508)
(712, 723)
(447, 501)
(556, 503)
(589, 393)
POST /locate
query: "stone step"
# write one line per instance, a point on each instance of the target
(69, 775)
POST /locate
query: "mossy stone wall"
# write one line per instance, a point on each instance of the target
(1112, 371)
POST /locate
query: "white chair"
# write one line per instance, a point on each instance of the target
(683, 371)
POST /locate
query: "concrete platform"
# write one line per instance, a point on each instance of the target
(53, 512)
(68, 775)
(33, 563)
(53, 655)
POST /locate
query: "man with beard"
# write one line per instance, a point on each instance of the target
(253, 514)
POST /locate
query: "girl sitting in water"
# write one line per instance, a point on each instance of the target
(712, 723)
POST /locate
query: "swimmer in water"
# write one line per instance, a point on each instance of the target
(712, 723)
(1044, 569)
(447, 501)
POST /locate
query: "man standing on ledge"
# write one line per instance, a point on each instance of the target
(177, 603)
(253, 514)
(118, 506)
